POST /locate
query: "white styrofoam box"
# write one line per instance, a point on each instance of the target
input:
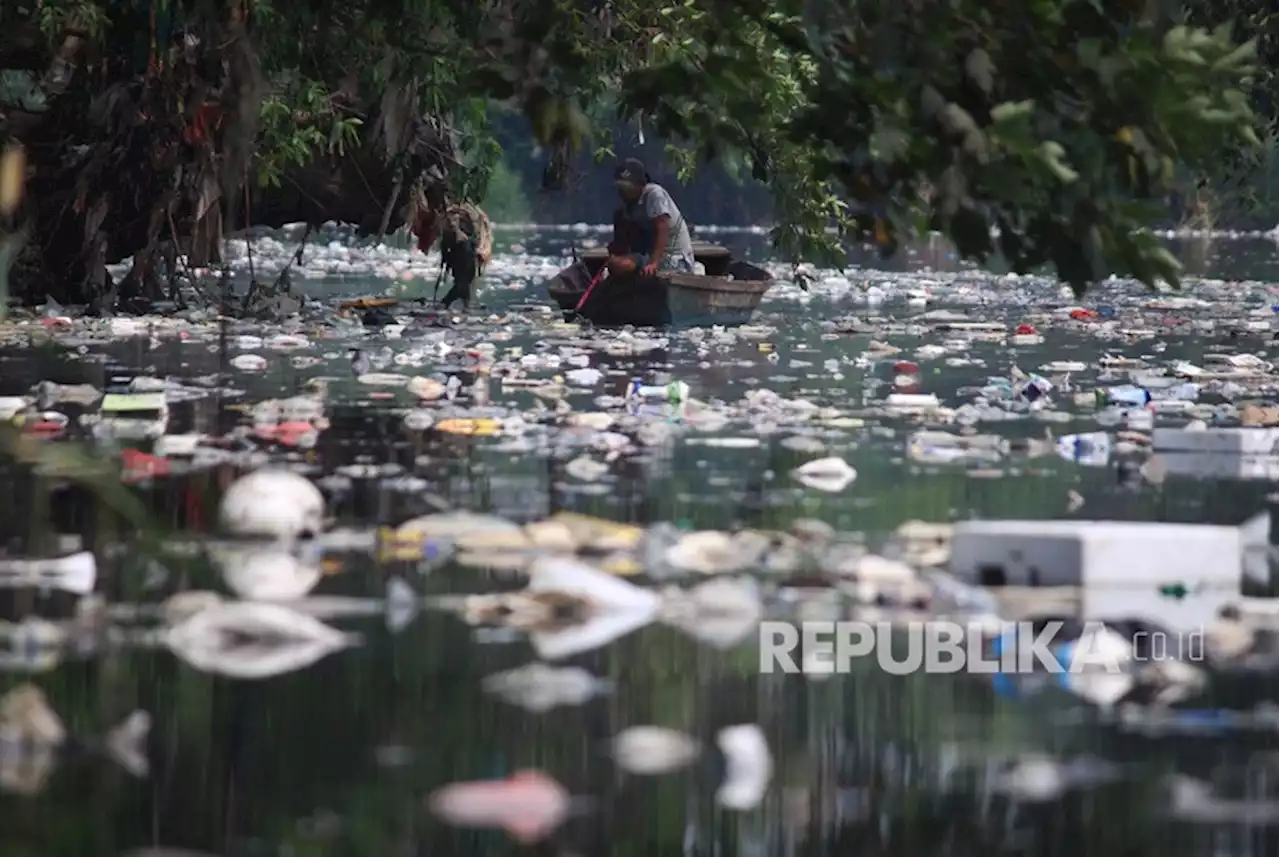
(1119, 566)
(1216, 466)
(1226, 441)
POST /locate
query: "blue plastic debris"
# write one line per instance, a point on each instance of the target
(1092, 449)
(1012, 684)
(1128, 394)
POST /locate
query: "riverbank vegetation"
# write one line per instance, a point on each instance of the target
(1047, 132)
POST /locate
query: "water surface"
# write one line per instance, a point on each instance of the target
(337, 759)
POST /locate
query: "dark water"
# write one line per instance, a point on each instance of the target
(338, 758)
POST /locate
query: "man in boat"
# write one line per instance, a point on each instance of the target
(649, 232)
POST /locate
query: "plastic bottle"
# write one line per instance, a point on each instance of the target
(675, 392)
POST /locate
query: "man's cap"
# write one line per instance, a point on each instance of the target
(631, 170)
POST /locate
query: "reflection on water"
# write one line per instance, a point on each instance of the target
(339, 758)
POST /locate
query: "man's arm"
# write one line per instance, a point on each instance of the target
(661, 240)
(662, 210)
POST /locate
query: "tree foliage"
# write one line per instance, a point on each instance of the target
(134, 120)
(1244, 181)
(1249, 20)
(1047, 131)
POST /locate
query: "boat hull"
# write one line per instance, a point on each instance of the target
(729, 297)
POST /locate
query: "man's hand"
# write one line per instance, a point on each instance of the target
(650, 269)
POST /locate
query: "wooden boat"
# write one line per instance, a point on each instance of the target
(726, 294)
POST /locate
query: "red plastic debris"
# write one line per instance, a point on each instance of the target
(528, 805)
(288, 434)
(1083, 314)
(140, 466)
(1024, 330)
(46, 429)
(906, 367)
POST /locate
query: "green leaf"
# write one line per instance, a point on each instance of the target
(1011, 111)
(980, 69)
(1241, 55)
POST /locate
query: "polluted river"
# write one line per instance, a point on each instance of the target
(362, 576)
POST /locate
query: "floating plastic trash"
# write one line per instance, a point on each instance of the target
(528, 805)
(133, 417)
(469, 427)
(249, 362)
(650, 750)
(831, 475)
(269, 573)
(723, 612)
(540, 688)
(76, 573)
(748, 767)
(1091, 450)
(253, 640)
(614, 607)
(1034, 389)
(427, 389)
(47, 425)
(419, 420)
(11, 406)
(912, 402)
(1127, 394)
(675, 392)
(277, 503)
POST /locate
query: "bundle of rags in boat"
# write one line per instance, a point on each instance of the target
(466, 239)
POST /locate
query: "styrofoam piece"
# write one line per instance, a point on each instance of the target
(1227, 441)
(1122, 568)
(911, 401)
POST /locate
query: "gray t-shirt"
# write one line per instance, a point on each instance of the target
(657, 202)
